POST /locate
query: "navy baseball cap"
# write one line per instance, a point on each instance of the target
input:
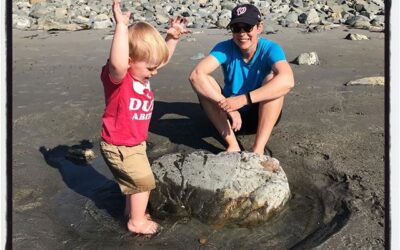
(245, 13)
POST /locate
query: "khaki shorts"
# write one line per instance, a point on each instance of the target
(130, 167)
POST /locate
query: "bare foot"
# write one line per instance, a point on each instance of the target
(259, 151)
(146, 227)
(233, 149)
(128, 216)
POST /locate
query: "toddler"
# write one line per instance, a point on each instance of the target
(137, 52)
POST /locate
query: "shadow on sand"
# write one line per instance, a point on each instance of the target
(188, 129)
(181, 122)
(85, 180)
(186, 124)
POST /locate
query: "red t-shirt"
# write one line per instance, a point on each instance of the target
(127, 114)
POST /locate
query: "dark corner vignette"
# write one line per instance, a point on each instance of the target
(8, 32)
(387, 227)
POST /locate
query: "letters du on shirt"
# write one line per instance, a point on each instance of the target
(142, 107)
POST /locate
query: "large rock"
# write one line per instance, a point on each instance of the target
(243, 188)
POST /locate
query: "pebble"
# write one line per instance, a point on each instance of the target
(198, 56)
(375, 80)
(202, 241)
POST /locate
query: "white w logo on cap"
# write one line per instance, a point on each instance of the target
(241, 11)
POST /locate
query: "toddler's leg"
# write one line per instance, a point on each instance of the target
(138, 221)
(127, 212)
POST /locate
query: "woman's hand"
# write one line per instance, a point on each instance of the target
(236, 120)
(232, 103)
(177, 26)
(119, 17)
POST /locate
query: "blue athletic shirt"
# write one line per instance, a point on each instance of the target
(241, 77)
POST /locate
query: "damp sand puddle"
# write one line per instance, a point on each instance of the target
(92, 207)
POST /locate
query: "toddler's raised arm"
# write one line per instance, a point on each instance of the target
(176, 29)
(119, 53)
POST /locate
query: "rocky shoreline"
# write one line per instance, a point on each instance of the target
(330, 141)
(312, 15)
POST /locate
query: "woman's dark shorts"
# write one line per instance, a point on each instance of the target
(250, 120)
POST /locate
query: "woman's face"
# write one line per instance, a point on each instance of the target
(245, 36)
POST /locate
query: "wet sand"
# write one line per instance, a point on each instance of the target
(330, 143)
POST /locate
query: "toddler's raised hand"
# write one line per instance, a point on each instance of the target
(177, 26)
(120, 17)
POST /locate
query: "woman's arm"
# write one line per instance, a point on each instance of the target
(272, 88)
(280, 84)
(200, 79)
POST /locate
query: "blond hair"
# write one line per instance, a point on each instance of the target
(146, 44)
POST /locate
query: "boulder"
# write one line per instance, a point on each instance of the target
(243, 188)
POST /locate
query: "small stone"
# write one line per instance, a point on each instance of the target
(191, 39)
(72, 27)
(312, 17)
(108, 37)
(377, 80)
(80, 154)
(310, 58)
(104, 24)
(198, 56)
(376, 29)
(60, 13)
(202, 241)
(21, 22)
(269, 29)
(82, 20)
(359, 22)
(162, 19)
(356, 37)
(49, 24)
(101, 17)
